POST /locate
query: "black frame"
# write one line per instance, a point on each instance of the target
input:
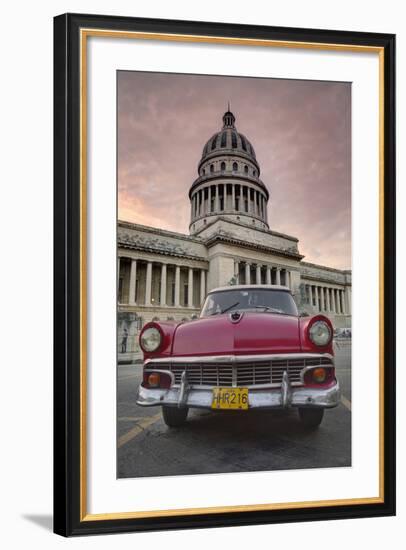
(67, 274)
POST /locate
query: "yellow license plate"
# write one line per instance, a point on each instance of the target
(230, 398)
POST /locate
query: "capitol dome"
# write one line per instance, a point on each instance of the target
(228, 140)
(228, 182)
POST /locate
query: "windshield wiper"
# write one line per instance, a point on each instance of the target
(229, 307)
(225, 309)
(272, 309)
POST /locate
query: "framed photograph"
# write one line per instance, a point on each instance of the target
(224, 274)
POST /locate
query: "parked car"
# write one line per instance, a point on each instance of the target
(249, 349)
(342, 333)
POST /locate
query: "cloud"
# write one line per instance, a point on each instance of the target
(301, 132)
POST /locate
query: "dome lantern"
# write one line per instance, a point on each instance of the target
(228, 119)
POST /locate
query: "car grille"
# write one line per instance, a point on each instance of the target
(242, 373)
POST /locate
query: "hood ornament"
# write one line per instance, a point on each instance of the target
(236, 316)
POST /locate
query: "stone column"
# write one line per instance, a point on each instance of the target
(241, 203)
(236, 270)
(328, 299)
(339, 310)
(163, 285)
(190, 288)
(287, 278)
(118, 276)
(258, 275)
(247, 273)
(216, 203)
(209, 199)
(342, 302)
(133, 278)
(323, 299)
(268, 275)
(311, 295)
(333, 300)
(278, 276)
(148, 284)
(202, 286)
(233, 195)
(347, 294)
(177, 286)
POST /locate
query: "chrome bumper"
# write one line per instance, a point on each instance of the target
(283, 397)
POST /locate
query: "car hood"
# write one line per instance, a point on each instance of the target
(253, 333)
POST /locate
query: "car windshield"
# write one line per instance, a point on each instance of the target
(263, 300)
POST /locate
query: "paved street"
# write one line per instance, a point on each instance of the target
(229, 442)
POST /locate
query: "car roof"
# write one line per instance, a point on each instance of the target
(249, 287)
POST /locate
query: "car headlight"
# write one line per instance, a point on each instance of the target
(320, 333)
(150, 339)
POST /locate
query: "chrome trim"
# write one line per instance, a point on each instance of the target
(234, 377)
(286, 392)
(257, 399)
(173, 367)
(236, 316)
(183, 390)
(237, 358)
(273, 386)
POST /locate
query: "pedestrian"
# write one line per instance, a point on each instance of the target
(124, 341)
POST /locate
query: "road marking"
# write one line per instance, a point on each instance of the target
(345, 402)
(128, 418)
(138, 428)
(127, 376)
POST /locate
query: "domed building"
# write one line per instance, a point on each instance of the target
(229, 181)
(166, 275)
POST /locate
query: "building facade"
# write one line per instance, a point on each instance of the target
(166, 275)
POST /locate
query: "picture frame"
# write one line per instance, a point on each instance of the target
(72, 281)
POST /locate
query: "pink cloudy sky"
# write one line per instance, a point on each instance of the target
(301, 132)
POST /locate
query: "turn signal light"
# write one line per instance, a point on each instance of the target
(319, 375)
(154, 379)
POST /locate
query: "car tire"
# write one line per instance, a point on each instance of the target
(173, 416)
(311, 418)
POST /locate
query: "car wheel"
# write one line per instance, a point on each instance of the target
(311, 418)
(173, 416)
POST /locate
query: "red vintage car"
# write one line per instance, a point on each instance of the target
(249, 349)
